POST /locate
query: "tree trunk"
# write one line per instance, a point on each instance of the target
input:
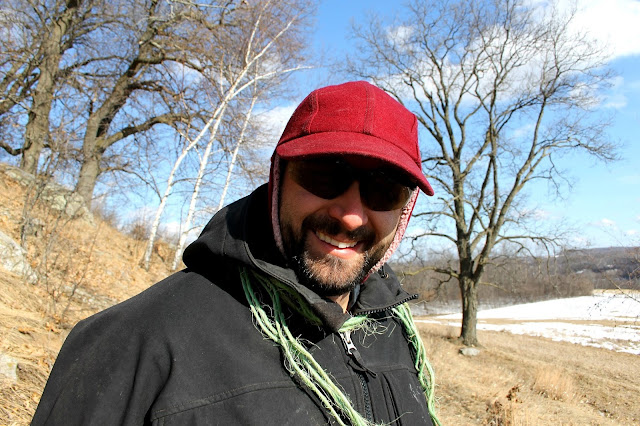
(146, 260)
(234, 156)
(204, 161)
(88, 177)
(469, 293)
(37, 128)
(34, 137)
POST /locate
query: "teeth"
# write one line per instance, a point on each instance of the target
(339, 244)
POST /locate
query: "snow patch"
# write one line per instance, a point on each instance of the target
(568, 320)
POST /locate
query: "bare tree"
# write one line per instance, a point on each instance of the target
(171, 180)
(38, 34)
(503, 89)
(139, 96)
(108, 64)
(263, 48)
(237, 69)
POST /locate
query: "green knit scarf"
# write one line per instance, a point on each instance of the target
(271, 321)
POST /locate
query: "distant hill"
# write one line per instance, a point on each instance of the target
(619, 263)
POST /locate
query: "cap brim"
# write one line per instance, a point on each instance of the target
(348, 143)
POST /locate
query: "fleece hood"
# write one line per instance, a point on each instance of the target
(241, 235)
(349, 119)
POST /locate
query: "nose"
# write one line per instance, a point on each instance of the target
(348, 208)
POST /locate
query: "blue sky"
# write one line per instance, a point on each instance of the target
(603, 203)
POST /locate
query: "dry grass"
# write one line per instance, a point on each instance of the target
(508, 411)
(30, 338)
(514, 381)
(555, 384)
(83, 268)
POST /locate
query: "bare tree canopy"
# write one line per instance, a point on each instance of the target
(89, 81)
(37, 34)
(502, 89)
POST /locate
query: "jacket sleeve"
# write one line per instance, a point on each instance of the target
(109, 371)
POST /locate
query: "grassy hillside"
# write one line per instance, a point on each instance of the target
(86, 265)
(83, 265)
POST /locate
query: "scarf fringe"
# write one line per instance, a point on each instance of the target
(300, 362)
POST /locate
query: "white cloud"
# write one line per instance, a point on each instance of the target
(605, 223)
(616, 98)
(580, 241)
(523, 131)
(172, 228)
(610, 23)
(617, 101)
(614, 22)
(537, 214)
(400, 35)
(275, 119)
(540, 214)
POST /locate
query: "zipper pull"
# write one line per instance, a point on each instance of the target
(348, 343)
(352, 351)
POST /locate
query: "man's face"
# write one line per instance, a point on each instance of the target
(333, 243)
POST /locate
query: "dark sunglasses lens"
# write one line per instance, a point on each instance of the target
(323, 178)
(380, 193)
(328, 178)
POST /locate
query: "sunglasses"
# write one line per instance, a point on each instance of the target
(381, 189)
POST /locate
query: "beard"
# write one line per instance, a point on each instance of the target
(329, 275)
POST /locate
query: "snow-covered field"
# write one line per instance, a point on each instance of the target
(609, 320)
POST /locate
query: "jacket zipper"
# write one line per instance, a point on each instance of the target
(375, 311)
(367, 398)
(361, 371)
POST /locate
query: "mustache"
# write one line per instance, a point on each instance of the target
(331, 226)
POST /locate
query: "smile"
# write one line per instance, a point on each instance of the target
(327, 239)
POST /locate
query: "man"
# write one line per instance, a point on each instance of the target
(285, 313)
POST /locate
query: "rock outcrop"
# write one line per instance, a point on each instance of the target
(13, 258)
(57, 197)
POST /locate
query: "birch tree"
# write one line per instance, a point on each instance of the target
(234, 153)
(502, 90)
(171, 180)
(269, 51)
(242, 67)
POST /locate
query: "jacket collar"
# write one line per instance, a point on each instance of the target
(241, 234)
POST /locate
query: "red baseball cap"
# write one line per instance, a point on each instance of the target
(355, 118)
